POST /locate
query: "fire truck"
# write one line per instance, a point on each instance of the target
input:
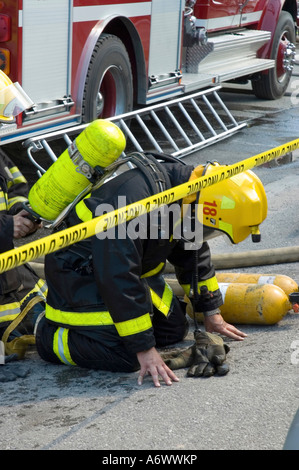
(79, 60)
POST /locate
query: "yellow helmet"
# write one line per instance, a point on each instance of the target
(13, 99)
(235, 206)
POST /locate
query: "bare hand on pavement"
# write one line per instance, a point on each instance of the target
(152, 363)
(216, 324)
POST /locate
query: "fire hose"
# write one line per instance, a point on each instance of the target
(243, 259)
(269, 256)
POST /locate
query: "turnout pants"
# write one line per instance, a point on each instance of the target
(102, 348)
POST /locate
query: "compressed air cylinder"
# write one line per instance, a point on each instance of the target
(100, 144)
(287, 284)
(252, 304)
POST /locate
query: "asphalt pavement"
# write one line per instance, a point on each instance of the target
(251, 408)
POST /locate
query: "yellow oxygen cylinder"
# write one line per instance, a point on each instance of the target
(251, 304)
(287, 284)
(99, 144)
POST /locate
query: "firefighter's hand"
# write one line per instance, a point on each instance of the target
(209, 356)
(152, 363)
(23, 226)
(216, 324)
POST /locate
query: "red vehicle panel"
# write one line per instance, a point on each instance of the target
(86, 59)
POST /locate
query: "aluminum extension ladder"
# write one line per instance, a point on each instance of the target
(177, 127)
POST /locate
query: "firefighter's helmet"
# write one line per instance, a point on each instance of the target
(235, 206)
(13, 99)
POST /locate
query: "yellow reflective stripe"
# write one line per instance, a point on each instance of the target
(78, 319)
(82, 211)
(40, 288)
(186, 288)
(163, 305)
(18, 177)
(15, 200)
(212, 285)
(61, 347)
(9, 312)
(3, 201)
(154, 271)
(134, 326)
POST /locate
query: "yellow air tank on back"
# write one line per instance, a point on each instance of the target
(99, 144)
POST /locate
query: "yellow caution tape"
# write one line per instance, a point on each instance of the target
(21, 255)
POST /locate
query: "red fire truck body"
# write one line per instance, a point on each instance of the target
(83, 59)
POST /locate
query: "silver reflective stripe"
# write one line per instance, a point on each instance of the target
(9, 312)
(61, 347)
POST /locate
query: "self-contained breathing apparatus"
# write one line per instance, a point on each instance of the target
(157, 179)
(156, 176)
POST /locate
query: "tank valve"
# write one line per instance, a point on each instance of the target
(294, 299)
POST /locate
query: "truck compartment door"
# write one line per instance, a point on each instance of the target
(165, 40)
(217, 14)
(46, 49)
(251, 11)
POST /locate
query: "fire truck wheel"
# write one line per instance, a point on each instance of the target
(109, 84)
(273, 85)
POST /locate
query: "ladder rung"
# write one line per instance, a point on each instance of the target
(163, 129)
(177, 125)
(201, 114)
(129, 133)
(183, 125)
(225, 108)
(191, 122)
(148, 133)
(214, 113)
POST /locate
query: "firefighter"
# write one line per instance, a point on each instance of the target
(22, 292)
(108, 306)
(17, 285)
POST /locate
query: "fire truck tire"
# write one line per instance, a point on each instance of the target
(273, 85)
(108, 88)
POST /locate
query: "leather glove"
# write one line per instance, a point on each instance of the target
(178, 358)
(19, 345)
(210, 355)
(206, 357)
